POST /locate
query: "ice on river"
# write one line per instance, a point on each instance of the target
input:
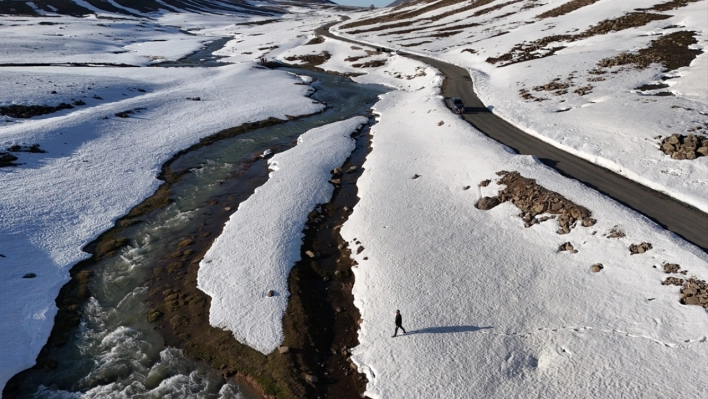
(261, 241)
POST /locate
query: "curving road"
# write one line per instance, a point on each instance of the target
(684, 220)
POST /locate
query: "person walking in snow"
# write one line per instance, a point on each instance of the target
(399, 323)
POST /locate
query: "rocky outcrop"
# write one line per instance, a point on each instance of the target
(680, 147)
(534, 200)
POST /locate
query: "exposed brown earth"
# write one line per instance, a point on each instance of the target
(669, 5)
(370, 64)
(680, 146)
(410, 14)
(28, 111)
(671, 51)
(320, 323)
(566, 8)
(416, 43)
(7, 159)
(311, 59)
(530, 51)
(534, 200)
(316, 40)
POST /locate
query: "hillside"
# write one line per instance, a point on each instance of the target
(619, 83)
(142, 7)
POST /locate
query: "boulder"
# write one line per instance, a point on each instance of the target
(311, 378)
(283, 349)
(639, 248)
(487, 203)
(596, 267)
(270, 293)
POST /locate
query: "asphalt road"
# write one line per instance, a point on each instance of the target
(682, 219)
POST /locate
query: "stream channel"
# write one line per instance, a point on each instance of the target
(116, 352)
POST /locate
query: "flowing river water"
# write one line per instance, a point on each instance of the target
(116, 352)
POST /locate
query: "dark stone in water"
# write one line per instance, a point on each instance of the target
(29, 275)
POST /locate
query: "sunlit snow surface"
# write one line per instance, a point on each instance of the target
(616, 125)
(480, 295)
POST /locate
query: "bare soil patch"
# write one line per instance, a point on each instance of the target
(370, 64)
(566, 8)
(28, 111)
(315, 40)
(311, 59)
(669, 5)
(538, 48)
(671, 51)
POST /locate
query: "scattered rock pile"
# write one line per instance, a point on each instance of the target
(695, 292)
(28, 111)
(671, 268)
(534, 200)
(671, 50)
(679, 146)
(316, 40)
(311, 59)
(370, 64)
(639, 248)
(7, 159)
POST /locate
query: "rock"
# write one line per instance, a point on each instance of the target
(487, 203)
(283, 349)
(567, 246)
(416, 176)
(310, 253)
(336, 181)
(575, 213)
(484, 183)
(703, 151)
(673, 281)
(311, 378)
(557, 206)
(352, 169)
(270, 293)
(539, 208)
(639, 249)
(587, 222)
(671, 268)
(596, 267)
(466, 187)
(29, 275)
(153, 315)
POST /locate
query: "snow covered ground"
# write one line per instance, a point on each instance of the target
(97, 166)
(493, 309)
(610, 121)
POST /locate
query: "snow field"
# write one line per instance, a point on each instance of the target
(98, 166)
(261, 241)
(616, 125)
(92, 40)
(493, 309)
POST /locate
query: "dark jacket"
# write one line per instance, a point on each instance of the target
(399, 319)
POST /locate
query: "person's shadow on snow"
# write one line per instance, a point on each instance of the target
(447, 330)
